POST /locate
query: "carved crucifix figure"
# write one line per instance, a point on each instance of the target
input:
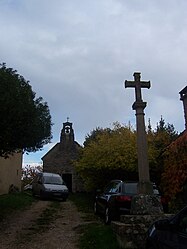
(139, 106)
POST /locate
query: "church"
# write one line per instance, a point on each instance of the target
(60, 159)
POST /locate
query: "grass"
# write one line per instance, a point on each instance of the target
(94, 235)
(83, 201)
(48, 216)
(12, 202)
(97, 236)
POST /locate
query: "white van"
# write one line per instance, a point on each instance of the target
(47, 185)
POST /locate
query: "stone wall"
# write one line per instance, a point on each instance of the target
(131, 230)
(60, 160)
(10, 172)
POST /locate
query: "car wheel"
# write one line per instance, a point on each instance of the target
(95, 208)
(107, 216)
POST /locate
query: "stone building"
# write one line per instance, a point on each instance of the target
(60, 159)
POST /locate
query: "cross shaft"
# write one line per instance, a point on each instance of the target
(138, 106)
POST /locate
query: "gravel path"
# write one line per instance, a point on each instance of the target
(17, 231)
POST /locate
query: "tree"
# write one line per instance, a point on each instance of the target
(94, 134)
(158, 140)
(112, 153)
(174, 177)
(29, 172)
(25, 120)
(108, 154)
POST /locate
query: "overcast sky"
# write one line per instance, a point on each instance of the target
(78, 53)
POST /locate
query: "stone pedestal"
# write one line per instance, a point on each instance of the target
(146, 204)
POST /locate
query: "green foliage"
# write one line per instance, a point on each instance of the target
(164, 135)
(93, 135)
(109, 153)
(25, 120)
(158, 141)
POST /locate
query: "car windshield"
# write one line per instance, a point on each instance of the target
(53, 180)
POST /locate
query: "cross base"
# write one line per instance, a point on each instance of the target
(146, 204)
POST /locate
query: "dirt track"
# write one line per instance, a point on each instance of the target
(20, 230)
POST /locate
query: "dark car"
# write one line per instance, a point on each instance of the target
(169, 233)
(116, 199)
(49, 185)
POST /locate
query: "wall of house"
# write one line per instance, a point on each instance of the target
(10, 172)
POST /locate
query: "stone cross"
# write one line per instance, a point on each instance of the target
(137, 84)
(145, 186)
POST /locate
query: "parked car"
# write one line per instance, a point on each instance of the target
(116, 199)
(47, 185)
(169, 233)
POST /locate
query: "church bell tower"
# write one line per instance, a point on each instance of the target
(67, 133)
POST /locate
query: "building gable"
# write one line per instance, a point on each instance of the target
(60, 158)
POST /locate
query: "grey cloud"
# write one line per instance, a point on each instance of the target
(77, 55)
